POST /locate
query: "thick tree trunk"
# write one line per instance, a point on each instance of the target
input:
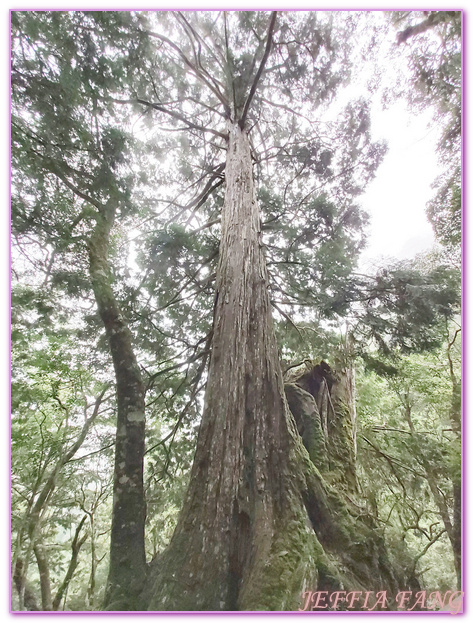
(233, 532)
(127, 551)
(304, 409)
(258, 519)
(328, 427)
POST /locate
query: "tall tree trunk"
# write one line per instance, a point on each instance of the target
(232, 533)
(44, 577)
(258, 518)
(127, 551)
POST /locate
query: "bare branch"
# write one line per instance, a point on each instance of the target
(260, 69)
(192, 67)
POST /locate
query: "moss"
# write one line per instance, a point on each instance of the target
(317, 541)
(304, 409)
(290, 568)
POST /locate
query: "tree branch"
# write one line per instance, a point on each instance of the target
(260, 69)
(76, 546)
(426, 548)
(52, 168)
(173, 114)
(434, 18)
(192, 67)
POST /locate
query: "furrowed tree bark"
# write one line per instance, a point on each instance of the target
(243, 522)
(127, 550)
(259, 525)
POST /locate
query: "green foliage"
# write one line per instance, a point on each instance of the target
(408, 450)
(444, 210)
(435, 61)
(405, 307)
(52, 386)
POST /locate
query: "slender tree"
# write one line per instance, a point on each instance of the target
(77, 158)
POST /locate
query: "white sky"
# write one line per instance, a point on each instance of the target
(397, 198)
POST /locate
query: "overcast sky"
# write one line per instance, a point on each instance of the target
(397, 198)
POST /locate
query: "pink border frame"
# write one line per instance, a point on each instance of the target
(463, 347)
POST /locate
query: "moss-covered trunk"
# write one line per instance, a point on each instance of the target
(127, 552)
(243, 540)
(259, 525)
(327, 424)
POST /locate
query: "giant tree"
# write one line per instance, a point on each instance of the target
(256, 511)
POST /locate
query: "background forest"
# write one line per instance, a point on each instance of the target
(139, 139)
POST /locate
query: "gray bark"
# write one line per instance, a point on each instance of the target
(127, 550)
(259, 524)
(242, 496)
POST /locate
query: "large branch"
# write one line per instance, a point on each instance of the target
(260, 69)
(192, 67)
(197, 54)
(434, 18)
(175, 115)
